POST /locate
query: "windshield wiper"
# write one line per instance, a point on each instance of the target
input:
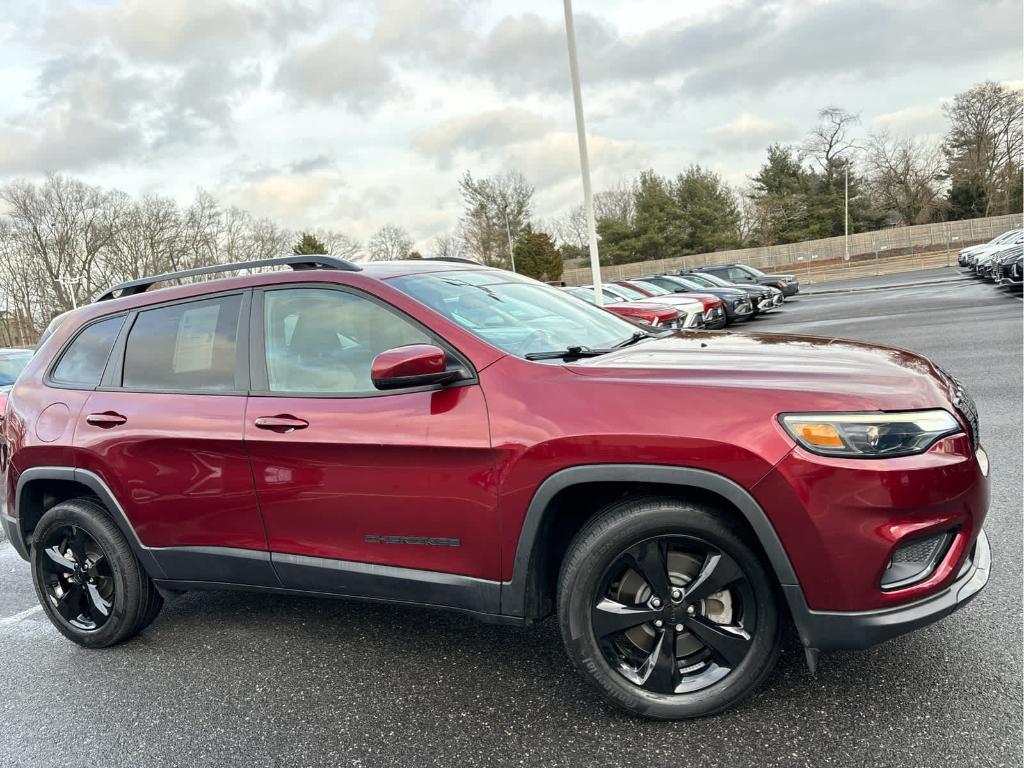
(569, 353)
(637, 336)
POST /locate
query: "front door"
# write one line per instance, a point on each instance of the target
(348, 474)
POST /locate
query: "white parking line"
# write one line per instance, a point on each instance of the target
(19, 616)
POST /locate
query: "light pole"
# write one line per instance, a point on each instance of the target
(508, 231)
(70, 281)
(846, 210)
(581, 135)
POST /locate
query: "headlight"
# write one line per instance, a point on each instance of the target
(870, 435)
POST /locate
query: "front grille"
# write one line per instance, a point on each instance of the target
(964, 404)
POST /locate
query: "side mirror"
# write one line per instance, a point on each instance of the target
(414, 365)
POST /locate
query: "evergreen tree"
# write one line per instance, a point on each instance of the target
(309, 245)
(537, 257)
(707, 209)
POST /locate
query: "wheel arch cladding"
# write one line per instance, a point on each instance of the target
(600, 484)
(41, 488)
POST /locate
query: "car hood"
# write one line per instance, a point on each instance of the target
(843, 374)
(687, 300)
(721, 293)
(778, 277)
(756, 290)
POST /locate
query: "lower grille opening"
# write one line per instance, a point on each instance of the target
(915, 560)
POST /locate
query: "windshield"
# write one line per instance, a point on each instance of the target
(651, 288)
(713, 280)
(682, 282)
(587, 294)
(514, 313)
(11, 364)
(753, 270)
(630, 294)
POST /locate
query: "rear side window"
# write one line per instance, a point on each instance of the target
(184, 347)
(83, 362)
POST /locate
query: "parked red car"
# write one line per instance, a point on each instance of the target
(654, 315)
(462, 437)
(715, 316)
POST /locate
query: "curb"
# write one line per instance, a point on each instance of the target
(890, 287)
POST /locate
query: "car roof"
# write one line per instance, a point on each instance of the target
(375, 271)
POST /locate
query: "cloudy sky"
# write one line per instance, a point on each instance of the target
(352, 114)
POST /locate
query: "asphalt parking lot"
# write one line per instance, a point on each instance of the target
(231, 678)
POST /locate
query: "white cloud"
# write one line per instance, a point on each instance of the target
(748, 131)
(289, 198)
(480, 131)
(924, 120)
(339, 69)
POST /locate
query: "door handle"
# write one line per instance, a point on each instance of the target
(106, 420)
(280, 424)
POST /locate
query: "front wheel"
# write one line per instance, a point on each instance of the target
(667, 610)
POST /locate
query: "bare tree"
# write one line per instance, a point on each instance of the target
(389, 243)
(339, 244)
(143, 237)
(61, 227)
(450, 246)
(570, 229)
(905, 175)
(198, 241)
(617, 202)
(830, 143)
(985, 141)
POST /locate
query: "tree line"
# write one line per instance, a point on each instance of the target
(62, 240)
(799, 193)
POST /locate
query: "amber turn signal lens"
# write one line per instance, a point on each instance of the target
(821, 435)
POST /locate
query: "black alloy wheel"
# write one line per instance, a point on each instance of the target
(77, 577)
(674, 614)
(666, 607)
(87, 578)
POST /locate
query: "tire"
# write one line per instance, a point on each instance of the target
(689, 540)
(156, 602)
(106, 598)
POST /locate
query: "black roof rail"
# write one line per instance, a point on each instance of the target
(135, 287)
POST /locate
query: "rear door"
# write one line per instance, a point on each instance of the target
(164, 433)
(345, 472)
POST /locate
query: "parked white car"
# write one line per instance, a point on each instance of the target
(968, 256)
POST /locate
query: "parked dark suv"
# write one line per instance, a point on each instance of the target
(394, 432)
(741, 273)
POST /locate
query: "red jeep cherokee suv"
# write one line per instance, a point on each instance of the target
(445, 434)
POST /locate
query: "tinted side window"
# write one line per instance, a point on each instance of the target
(738, 275)
(189, 347)
(323, 341)
(83, 362)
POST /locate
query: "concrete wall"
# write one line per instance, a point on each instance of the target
(888, 242)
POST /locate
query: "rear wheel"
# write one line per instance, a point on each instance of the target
(666, 609)
(87, 578)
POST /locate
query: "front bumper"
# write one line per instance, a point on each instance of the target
(790, 289)
(740, 311)
(715, 318)
(836, 630)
